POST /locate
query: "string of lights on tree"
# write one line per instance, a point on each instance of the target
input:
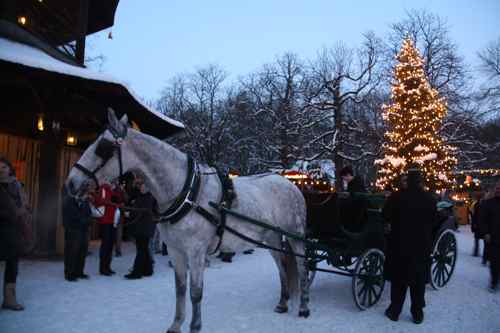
(414, 118)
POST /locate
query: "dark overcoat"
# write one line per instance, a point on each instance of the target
(489, 221)
(76, 213)
(10, 233)
(412, 214)
(141, 220)
(474, 225)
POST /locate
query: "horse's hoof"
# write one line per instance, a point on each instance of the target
(281, 309)
(195, 330)
(304, 313)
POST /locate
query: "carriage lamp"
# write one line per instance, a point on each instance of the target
(22, 20)
(71, 139)
(40, 125)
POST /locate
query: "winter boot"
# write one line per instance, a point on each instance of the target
(391, 315)
(418, 316)
(9, 300)
(103, 268)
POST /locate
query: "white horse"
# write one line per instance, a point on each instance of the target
(270, 198)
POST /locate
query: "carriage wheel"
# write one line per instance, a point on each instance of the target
(368, 279)
(444, 258)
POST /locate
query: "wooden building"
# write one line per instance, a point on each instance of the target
(52, 107)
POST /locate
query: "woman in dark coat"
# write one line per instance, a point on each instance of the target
(12, 210)
(412, 215)
(142, 228)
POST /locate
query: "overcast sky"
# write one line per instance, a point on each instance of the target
(155, 39)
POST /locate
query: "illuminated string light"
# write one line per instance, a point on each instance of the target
(414, 117)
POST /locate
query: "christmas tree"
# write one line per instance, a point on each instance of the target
(414, 118)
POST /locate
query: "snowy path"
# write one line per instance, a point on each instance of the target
(239, 297)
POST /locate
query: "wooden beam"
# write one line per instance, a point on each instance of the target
(82, 31)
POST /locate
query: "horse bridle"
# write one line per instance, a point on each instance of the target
(105, 150)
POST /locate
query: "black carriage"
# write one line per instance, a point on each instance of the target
(347, 232)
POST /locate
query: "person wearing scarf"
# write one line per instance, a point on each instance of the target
(12, 210)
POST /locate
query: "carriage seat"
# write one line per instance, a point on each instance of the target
(328, 215)
(344, 220)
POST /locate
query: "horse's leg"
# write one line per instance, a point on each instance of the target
(196, 269)
(282, 306)
(180, 266)
(299, 248)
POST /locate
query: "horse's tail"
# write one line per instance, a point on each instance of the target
(292, 273)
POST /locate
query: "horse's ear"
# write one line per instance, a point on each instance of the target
(124, 120)
(112, 119)
(119, 127)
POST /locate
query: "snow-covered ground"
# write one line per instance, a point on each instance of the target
(239, 297)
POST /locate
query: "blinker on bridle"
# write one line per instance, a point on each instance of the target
(105, 150)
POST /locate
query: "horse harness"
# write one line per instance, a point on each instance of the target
(186, 201)
(105, 150)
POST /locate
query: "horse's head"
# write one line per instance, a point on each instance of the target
(106, 159)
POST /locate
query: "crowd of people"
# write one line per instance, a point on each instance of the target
(126, 202)
(410, 214)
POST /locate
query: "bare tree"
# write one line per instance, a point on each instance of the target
(444, 67)
(344, 77)
(490, 67)
(282, 113)
(199, 100)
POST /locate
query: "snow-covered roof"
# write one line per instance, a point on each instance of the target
(26, 55)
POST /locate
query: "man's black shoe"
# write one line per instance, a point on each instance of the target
(390, 315)
(133, 276)
(71, 278)
(150, 273)
(105, 273)
(418, 316)
(248, 251)
(83, 276)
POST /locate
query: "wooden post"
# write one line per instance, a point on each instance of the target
(48, 198)
(82, 31)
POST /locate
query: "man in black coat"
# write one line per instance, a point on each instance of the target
(412, 215)
(76, 220)
(489, 224)
(142, 228)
